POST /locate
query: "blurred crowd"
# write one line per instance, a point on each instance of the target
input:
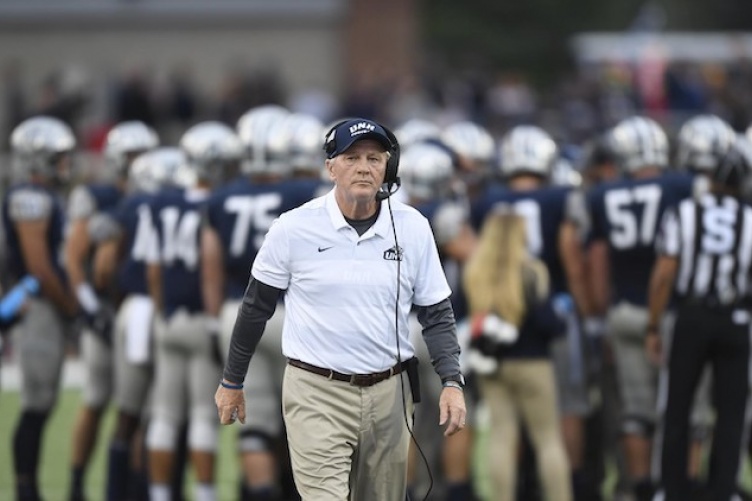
(585, 100)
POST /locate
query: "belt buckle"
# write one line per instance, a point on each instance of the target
(361, 380)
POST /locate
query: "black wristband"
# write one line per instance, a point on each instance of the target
(230, 386)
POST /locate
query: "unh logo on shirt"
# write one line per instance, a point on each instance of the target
(393, 254)
(360, 128)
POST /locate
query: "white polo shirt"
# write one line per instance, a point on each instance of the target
(342, 288)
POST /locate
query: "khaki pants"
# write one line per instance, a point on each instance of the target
(347, 442)
(525, 390)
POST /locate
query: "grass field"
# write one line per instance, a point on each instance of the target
(54, 470)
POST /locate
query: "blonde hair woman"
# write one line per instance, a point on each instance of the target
(513, 323)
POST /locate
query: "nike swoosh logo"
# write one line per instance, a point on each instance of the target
(322, 249)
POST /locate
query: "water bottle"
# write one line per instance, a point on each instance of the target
(13, 301)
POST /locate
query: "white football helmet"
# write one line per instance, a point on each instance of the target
(255, 131)
(38, 143)
(165, 167)
(639, 142)
(426, 171)
(527, 149)
(297, 140)
(416, 130)
(212, 150)
(127, 140)
(470, 141)
(702, 141)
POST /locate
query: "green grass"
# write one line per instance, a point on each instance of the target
(55, 464)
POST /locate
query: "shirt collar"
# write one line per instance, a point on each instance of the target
(382, 227)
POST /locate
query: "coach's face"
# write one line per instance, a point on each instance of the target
(358, 173)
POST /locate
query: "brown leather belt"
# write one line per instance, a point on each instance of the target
(353, 379)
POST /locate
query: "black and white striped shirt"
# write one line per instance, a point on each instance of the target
(712, 238)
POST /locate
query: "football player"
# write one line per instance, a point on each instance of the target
(124, 142)
(33, 219)
(187, 365)
(624, 216)
(122, 239)
(238, 217)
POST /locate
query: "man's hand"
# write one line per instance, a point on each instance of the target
(452, 410)
(101, 323)
(230, 405)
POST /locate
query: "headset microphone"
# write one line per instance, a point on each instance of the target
(383, 194)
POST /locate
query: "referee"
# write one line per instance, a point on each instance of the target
(704, 254)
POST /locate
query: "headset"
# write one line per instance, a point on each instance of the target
(391, 178)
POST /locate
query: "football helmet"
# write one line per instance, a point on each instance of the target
(416, 130)
(639, 142)
(734, 169)
(165, 167)
(212, 149)
(527, 149)
(39, 143)
(427, 171)
(127, 140)
(702, 141)
(255, 129)
(296, 140)
(470, 141)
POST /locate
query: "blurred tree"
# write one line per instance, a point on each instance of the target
(533, 36)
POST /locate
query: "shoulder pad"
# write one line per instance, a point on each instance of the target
(81, 203)
(29, 205)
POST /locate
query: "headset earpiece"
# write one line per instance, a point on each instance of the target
(392, 165)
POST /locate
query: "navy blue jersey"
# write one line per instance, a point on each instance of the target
(31, 202)
(241, 213)
(176, 216)
(452, 268)
(88, 199)
(106, 196)
(544, 211)
(134, 217)
(626, 214)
